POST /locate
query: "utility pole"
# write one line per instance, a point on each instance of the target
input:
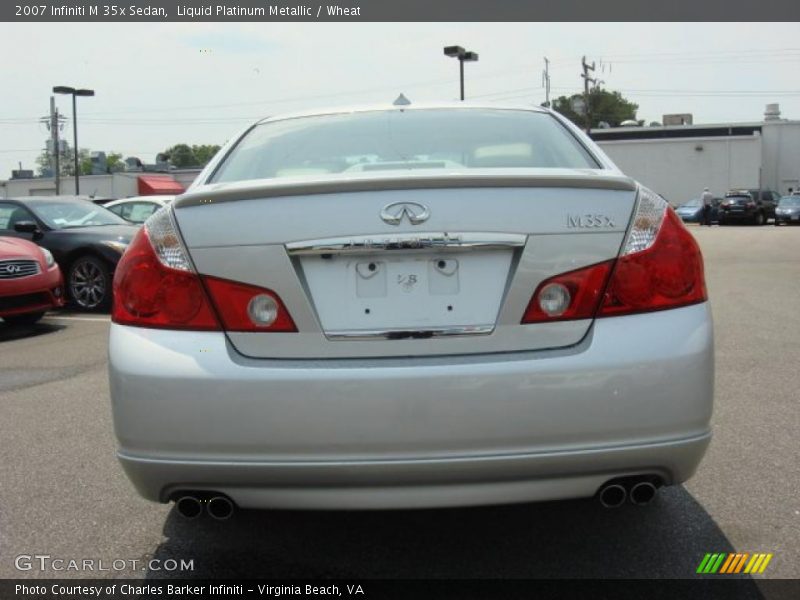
(586, 80)
(53, 125)
(546, 82)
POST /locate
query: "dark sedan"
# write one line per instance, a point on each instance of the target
(750, 206)
(692, 211)
(788, 210)
(85, 239)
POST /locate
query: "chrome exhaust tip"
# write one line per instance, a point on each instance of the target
(643, 493)
(189, 507)
(220, 508)
(613, 495)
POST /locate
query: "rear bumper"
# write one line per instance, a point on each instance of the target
(634, 397)
(745, 215)
(464, 481)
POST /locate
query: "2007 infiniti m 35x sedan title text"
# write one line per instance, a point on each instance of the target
(410, 306)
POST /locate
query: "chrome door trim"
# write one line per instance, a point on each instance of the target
(438, 240)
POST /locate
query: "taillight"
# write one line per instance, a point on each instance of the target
(155, 285)
(573, 295)
(660, 267)
(244, 307)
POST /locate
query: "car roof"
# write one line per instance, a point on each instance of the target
(156, 198)
(44, 199)
(405, 107)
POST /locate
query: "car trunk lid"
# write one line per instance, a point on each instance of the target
(421, 264)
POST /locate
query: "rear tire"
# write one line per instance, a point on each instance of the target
(759, 219)
(21, 320)
(89, 283)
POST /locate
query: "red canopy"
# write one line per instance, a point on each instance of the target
(156, 185)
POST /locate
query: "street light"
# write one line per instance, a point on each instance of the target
(462, 56)
(63, 89)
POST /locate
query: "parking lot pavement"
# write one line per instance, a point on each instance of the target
(63, 494)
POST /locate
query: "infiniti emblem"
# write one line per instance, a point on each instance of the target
(13, 268)
(416, 213)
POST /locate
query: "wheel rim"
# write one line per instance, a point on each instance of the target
(87, 284)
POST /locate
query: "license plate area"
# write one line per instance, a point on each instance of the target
(417, 292)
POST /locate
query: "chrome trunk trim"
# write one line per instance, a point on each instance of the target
(407, 241)
(408, 334)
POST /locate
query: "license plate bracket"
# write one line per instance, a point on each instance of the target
(407, 291)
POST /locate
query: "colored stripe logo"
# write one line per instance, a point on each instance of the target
(736, 562)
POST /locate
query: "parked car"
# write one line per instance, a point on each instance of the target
(692, 211)
(30, 282)
(410, 306)
(138, 208)
(86, 240)
(788, 210)
(752, 206)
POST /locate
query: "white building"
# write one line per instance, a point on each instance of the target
(115, 185)
(679, 161)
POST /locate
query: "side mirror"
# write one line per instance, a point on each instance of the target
(26, 227)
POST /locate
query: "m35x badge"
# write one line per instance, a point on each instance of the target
(589, 221)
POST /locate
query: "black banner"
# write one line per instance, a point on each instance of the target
(398, 10)
(711, 588)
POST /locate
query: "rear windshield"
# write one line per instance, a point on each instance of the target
(401, 140)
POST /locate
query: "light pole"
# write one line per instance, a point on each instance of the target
(462, 56)
(63, 89)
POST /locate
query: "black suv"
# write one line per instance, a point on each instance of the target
(752, 206)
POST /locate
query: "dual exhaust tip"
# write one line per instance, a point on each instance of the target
(220, 508)
(640, 493)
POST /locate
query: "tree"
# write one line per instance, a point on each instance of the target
(183, 155)
(606, 106)
(205, 153)
(66, 162)
(114, 162)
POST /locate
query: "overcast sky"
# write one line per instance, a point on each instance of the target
(162, 84)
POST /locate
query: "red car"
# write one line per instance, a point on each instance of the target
(30, 281)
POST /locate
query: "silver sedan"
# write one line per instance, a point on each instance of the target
(410, 306)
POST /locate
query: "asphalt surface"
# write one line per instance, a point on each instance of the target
(62, 492)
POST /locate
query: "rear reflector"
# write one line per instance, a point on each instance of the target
(155, 285)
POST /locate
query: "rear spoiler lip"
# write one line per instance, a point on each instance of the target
(271, 188)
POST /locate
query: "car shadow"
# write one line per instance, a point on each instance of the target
(9, 333)
(570, 539)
